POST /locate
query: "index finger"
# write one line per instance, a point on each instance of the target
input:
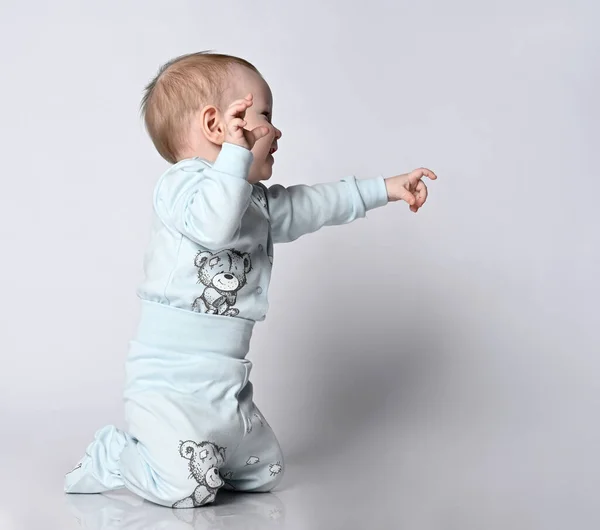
(240, 104)
(423, 172)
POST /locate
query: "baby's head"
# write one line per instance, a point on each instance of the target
(184, 106)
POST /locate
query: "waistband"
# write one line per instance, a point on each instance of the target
(168, 327)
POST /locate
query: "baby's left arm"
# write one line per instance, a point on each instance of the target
(301, 209)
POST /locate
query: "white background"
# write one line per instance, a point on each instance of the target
(437, 370)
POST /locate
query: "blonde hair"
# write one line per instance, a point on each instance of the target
(182, 87)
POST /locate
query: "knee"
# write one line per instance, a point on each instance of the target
(267, 479)
(191, 492)
(267, 485)
(159, 480)
(274, 474)
(182, 494)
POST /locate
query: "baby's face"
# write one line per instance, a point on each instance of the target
(259, 114)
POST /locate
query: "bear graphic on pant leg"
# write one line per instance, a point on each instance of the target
(205, 460)
(223, 274)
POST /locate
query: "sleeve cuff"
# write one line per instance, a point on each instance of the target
(234, 160)
(373, 192)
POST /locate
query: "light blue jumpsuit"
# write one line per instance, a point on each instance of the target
(192, 425)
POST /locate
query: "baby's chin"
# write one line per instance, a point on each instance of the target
(264, 175)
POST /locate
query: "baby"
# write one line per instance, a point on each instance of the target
(192, 425)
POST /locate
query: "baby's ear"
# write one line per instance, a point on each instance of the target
(209, 122)
(222, 453)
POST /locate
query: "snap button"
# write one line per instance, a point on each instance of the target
(259, 290)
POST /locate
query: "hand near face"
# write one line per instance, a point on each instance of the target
(235, 132)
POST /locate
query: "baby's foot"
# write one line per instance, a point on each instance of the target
(95, 472)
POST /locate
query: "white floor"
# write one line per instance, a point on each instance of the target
(434, 476)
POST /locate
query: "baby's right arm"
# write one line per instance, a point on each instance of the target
(207, 204)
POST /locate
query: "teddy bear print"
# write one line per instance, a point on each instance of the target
(205, 459)
(275, 469)
(252, 460)
(259, 196)
(223, 274)
(227, 478)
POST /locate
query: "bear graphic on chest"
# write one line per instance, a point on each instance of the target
(223, 274)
